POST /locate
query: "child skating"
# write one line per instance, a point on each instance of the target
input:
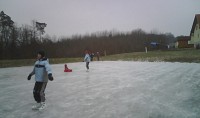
(87, 60)
(42, 72)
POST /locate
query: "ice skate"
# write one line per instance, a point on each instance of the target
(43, 106)
(36, 106)
(87, 70)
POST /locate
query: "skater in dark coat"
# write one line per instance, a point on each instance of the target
(43, 73)
(98, 56)
(91, 56)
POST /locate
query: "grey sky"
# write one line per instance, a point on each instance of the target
(69, 17)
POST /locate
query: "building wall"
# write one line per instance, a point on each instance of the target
(176, 44)
(195, 37)
(183, 44)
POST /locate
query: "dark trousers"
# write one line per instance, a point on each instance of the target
(87, 65)
(38, 91)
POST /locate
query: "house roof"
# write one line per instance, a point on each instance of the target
(196, 20)
(183, 38)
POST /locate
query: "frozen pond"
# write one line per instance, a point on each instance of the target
(109, 90)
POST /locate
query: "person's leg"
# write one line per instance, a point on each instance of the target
(39, 95)
(36, 91)
(87, 65)
(36, 94)
(42, 94)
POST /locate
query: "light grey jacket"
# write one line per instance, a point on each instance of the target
(87, 58)
(41, 70)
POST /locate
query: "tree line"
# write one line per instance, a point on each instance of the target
(23, 42)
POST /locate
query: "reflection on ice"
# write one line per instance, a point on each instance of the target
(109, 90)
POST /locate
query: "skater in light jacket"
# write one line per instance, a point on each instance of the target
(87, 60)
(43, 73)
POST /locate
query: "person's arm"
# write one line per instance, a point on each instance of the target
(31, 74)
(49, 71)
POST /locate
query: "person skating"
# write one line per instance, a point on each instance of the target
(87, 60)
(98, 56)
(91, 56)
(42, 72)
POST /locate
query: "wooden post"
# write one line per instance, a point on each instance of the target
(104, 52)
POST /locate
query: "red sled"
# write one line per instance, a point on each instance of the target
(67, 69)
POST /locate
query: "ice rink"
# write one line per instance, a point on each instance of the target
(111, 89)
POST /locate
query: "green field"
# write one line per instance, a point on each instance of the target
(183, 55)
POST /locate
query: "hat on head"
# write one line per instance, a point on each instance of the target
(42, 53)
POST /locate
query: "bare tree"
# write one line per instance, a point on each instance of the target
(6, 25)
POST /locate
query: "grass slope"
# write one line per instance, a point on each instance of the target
(183, 55)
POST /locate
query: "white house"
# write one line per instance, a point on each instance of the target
(195, 32)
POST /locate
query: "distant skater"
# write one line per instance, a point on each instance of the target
(91, 56)
(98, 56)
(42, 72)
(87, 60)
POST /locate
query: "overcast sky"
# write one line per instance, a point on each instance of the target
(69, 17)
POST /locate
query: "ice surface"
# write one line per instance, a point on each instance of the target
(109, 90)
